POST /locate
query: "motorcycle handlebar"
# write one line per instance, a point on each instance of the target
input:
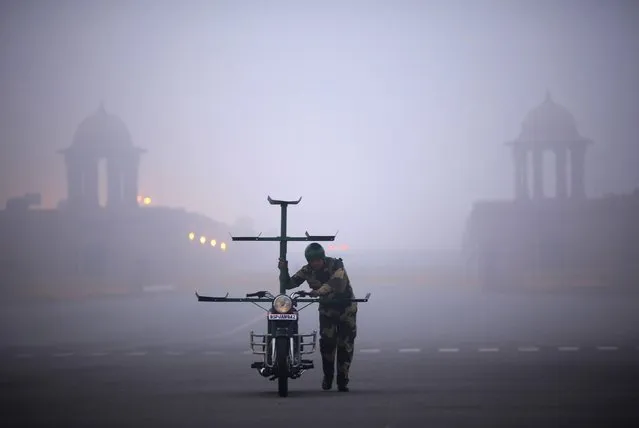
(302, 293)
(258, 294)
(262, 294)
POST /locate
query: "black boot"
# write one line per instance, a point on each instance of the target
(327, 382)
(328, 368)
(342, 383)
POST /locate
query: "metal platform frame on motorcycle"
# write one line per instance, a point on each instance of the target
(297, 347)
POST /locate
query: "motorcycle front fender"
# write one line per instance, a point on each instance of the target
(282, 332)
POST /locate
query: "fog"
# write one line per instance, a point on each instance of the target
(389, 118)
(396, 316)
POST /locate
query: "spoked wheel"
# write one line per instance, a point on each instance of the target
(281, 352)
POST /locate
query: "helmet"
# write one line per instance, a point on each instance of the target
(314, 251)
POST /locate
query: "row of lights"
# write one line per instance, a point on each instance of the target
(146, 200)
(203, 240)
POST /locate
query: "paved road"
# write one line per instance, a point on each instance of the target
(389, 389)
(456, 359)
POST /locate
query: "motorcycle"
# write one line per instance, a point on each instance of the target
(282, 346)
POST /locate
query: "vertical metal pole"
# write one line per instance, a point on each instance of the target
(283, 242)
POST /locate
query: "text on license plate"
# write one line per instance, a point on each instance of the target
(279, 317)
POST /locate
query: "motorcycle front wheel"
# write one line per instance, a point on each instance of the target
(281, 352)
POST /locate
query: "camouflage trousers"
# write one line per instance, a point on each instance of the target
(338, 329)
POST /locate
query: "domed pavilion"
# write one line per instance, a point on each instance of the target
(102, 136)
(549, 128)
(540, 242)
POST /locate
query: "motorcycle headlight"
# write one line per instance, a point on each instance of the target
(282, 304)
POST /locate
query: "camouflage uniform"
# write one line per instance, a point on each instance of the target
(337, 320)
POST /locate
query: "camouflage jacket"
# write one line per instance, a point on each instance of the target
(331, 283)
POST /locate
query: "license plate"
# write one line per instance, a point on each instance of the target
(282, 317)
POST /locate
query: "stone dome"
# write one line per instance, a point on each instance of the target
(102, 131)
(549, 122)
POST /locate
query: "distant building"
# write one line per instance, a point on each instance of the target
(122, 247)
(560, 240)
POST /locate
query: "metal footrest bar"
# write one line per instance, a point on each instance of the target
(259, 342)
(303, 346)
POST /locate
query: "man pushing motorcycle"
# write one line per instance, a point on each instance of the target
(329, 281)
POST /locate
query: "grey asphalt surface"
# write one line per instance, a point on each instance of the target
(457, 358)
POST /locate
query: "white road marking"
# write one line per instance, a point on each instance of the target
(607, 348)
(568, 348)
(602, 348)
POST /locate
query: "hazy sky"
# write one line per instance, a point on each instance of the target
(388, 117)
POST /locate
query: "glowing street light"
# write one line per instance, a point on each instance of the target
(202, 240)
(223, 246)
(144, 200)
(213, 242)
(191, 236)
